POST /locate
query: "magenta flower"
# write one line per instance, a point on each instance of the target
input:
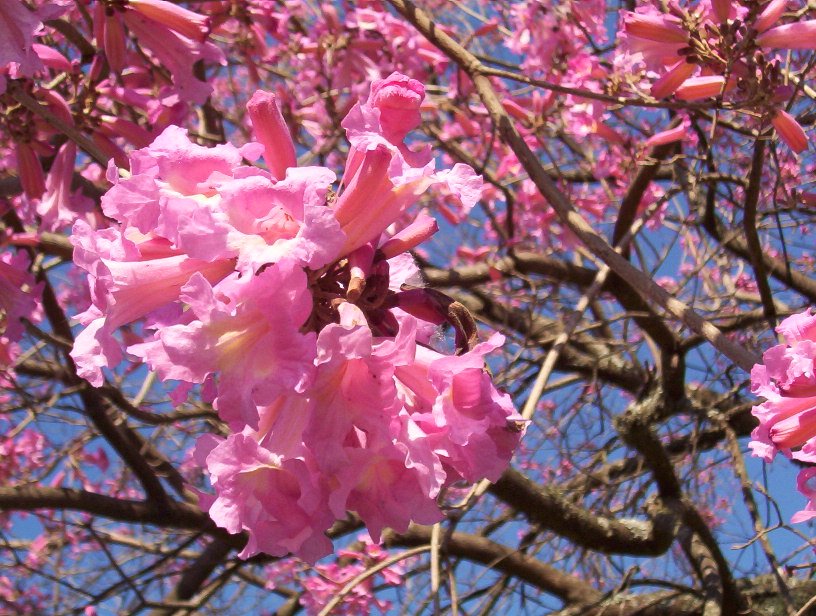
(790, 131)
(798, 35)
(770, 15)
(17, 28)
(659, 28)
(187, 23)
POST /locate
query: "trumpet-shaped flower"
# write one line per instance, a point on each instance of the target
(658, 28)
(248, 335)
(181, 20)
(787, 381)
(271, 130)
(452, 398)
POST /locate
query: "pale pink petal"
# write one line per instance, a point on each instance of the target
(271, 130)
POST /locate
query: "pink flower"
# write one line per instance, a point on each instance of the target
(787, 380)
(109, 31)
(722, 9)
(372, 201)
(177, 53)
(30, 170)
(796, 430)
(790, 131)
(469, 424)
(281, 503)
(798, 327)
(421, 229)
(283, 304)
(671, 135)
(55, 206)
(248, 334)
(397, 98)
(52, 58)
(389, 114)
(386, 492)
(806, 484)
(18, 295)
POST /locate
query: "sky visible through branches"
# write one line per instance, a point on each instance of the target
(434, 307)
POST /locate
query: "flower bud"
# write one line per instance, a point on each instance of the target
(668, 83)
(31, 173)
(799, 35)
(770, 15)
(662, 29)
(271, 130)
(790, 131)
(696, 88)
(398, 98)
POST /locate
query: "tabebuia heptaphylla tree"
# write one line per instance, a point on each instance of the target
(407, 307)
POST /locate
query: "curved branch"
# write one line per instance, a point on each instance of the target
(547, 507)
(608, 367)
(171, 514)
(751, 237)
(504, 559)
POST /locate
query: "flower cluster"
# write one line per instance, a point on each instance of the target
(331, 578)
(787, 418)
(292, 306)
(721, 48)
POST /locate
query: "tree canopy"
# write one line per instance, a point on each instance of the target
(407, 307)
